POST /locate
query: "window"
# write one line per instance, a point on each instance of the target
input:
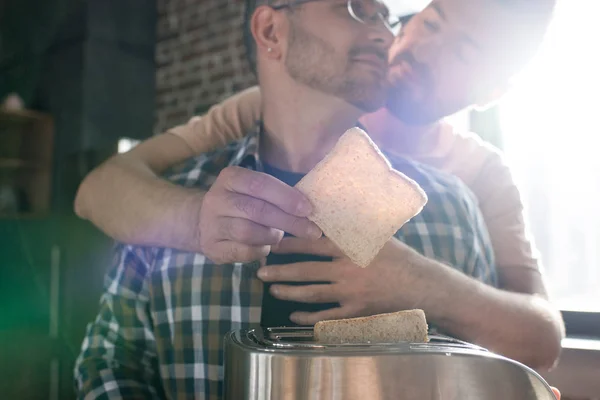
(126, 144)
(551, 126)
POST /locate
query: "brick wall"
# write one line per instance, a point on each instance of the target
(200, 57)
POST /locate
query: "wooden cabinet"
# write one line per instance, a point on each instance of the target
(26, 148)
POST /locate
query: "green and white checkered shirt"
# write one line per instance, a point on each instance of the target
(164, 312)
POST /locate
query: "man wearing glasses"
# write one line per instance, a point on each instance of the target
(164, 313)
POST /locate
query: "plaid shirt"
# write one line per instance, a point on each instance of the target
(163, 315)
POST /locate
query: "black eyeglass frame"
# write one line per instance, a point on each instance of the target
(390, 25)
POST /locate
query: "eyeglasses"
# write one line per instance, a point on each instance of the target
(364, 11)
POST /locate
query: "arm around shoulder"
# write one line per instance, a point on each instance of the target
(127, 200)
(224, 123)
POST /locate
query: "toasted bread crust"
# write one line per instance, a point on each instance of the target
(402, 326)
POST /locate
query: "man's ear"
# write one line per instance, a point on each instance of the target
(492, 98)
(265, 27)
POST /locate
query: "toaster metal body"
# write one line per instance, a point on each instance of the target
(286, 364)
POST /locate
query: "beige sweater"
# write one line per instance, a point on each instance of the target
(465, 155)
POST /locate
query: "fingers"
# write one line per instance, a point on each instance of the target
(302, 272)
(266, 214)
(247, 232)
(321, 293)
(228, 252)
(267, 188)
(305, 318)
(245, 212)
(556, 393)
(319, 247)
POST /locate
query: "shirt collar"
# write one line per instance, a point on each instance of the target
(247, 155)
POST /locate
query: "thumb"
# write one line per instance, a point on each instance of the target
(263, 262)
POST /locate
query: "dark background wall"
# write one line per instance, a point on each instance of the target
(90, 64)
(200, 57)
(104, 69)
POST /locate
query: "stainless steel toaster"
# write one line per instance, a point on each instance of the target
(287, 364)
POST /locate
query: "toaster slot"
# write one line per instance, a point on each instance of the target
(303, 338)
(291, 335)
(284, 337)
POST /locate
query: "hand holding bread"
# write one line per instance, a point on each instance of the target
(245, 212)
(393, 281)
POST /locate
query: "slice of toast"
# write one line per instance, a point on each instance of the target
(359, 200)
(403, 326)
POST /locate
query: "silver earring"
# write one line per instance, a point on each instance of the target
(269, 50)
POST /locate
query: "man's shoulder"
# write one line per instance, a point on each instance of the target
(431, 179)
(202, 170)
(450, 227)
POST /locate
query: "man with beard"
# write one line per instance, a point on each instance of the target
(451, 55)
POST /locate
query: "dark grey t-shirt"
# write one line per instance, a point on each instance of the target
(276, 312)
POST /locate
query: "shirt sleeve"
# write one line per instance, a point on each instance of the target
(482, 168)
(224, 123)
(503, 211)
(118, 356)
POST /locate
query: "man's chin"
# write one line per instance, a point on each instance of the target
(368, 104)
(368, 108)
(412, 115)
(367, 95)
(404, 104)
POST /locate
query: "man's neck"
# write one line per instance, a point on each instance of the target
(396, 137)
(302, 126)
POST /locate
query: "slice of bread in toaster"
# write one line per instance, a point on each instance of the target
(359, 201)
(402, 326)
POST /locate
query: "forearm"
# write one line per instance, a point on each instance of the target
(520, 326)
(130, 203)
